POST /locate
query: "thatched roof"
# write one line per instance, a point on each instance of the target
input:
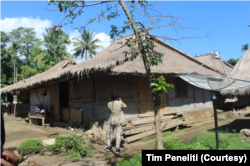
(215, 62)
(112, 58)
(241, 71)
(53, 73)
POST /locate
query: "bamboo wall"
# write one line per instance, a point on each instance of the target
(124, 85)
(193, 98)
(81, 90)
(145, 98)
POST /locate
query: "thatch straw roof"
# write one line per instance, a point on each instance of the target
(241, 71)
(53, 73)
(215, 62)
(112, 59)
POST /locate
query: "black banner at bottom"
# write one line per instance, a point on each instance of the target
(162, 157)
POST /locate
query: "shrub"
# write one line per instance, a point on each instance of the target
(73, 143)
(30, 146)
(173, 143)
(134, 161)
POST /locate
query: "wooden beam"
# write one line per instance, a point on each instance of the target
(139, 130)
(149, 120)
(139, 136)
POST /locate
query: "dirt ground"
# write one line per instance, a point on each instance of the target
(18, 131)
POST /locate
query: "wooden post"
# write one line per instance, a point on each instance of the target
(14, 110)
(29, 118)
(15, 104)
(194, 96)
(43, 122)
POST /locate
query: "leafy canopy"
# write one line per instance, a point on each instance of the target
(87, 44)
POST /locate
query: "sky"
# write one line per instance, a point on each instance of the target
(225, 21)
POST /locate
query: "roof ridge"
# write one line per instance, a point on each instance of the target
(189, 56)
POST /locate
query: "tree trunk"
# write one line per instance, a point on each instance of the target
(86, 55)
(14, 70)
(149, 75)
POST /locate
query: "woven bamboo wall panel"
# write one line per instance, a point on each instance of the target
(54, 92)
(145, 97)
(124, 85)
(81, 91)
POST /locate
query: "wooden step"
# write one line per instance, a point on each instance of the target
(149, 120)
(151, 132)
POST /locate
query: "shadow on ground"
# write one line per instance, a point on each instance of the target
(235, 126)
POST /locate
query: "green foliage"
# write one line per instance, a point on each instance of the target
(26, 72)
(74, 144)
(154, 57)
(7, 63)
(134, 161)
(172, 143)
(4, 39)
(55, 49)
(25, 38)
(228, 141)
(160, 87)
(233, 61)
(244, 47)
(89, 148)
(87, 44)
(30, 146)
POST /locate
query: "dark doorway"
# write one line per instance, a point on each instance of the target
(64, 93)
(64, 100)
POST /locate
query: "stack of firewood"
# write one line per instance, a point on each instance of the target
(138, 127)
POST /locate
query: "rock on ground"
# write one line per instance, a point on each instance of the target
(245, 132)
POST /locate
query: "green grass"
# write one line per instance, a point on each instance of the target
(134, 161)
(30, 146)
(227, 141)
(172, 143)
(76, 147)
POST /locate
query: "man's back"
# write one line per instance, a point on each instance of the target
(117, 116)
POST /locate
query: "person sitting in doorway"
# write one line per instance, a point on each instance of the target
(116, 120)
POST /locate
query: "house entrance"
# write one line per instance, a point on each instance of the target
(64, 100)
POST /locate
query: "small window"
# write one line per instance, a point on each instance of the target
(180, 88)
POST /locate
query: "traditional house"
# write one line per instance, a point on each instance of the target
(213, 59)
(29, 90)
(240, 71)
(88, 85)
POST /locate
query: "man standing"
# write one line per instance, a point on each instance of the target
(116, 120)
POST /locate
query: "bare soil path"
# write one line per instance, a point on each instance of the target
(18, 131)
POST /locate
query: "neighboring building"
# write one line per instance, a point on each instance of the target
(215, 61)
(241, 71)
(88, 85)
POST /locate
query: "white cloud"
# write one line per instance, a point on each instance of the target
(104, 38)
(8, 24)
(39, 25)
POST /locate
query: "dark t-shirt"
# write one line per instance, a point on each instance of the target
(2, 130)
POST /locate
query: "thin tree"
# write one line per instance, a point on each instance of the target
(14, 51)
(142, 45)
(86, 45)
